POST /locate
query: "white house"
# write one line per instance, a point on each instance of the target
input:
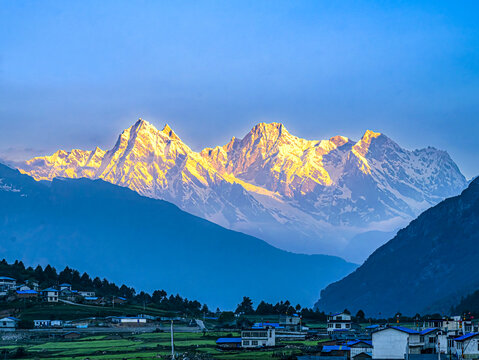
(128, 320)
(7, 284)
(467, 346)
(42, 323)
(65, 286)
(429, 337)
(359, 346)
(8, 323)
(86, 293)
(253, 338)
(339, 321)
(50, 294)
(395, 342)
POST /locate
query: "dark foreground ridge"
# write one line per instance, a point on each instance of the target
(427, 267)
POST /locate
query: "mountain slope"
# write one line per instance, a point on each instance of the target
(102, 228)
(300, 195)
(427, 267)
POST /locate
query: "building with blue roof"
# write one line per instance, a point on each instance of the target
(466, 346)
(50, 294)
(8, 323)
(229, 343)
(395, 342)
(7, 284)
(359, 346)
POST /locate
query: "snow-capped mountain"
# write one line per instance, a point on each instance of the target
(294, 193)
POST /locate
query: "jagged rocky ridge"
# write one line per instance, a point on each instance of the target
(294, 193)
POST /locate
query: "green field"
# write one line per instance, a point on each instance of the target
(68, 311)
(140, 346)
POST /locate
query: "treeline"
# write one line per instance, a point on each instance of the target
(281, 308)
(48, 277)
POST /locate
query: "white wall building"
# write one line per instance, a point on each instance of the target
(8, 323)
(467, 346)
(359, 346)
(42, 323)
(253, 338)
(7, 284)
(50, 294)
(395, 342)
(339, 321)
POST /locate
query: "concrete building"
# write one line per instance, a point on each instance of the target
(8, 323)
(360, 346)
(258, 337)
(228, 343)
(65, 286)
(26, 294)
(466, 346)
(395, 342)
(50, 295)
(290, 322)
(429, 337)
(41, 323)
(7, 284)
(339, 321)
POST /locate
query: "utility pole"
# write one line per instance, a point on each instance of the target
(172, 344)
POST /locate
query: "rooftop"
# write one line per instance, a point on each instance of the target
(228, 341)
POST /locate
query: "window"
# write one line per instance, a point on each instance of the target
(339, 318)
(338, 326)
(348, 326)
(432, 340)
(246, 342)
(254, 342)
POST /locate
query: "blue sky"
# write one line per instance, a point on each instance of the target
(74, 74)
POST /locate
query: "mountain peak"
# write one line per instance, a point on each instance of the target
(169, 132)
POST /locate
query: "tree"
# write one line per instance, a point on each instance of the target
(346, 311)
(245, 307)
(360, 315)
(226, 317)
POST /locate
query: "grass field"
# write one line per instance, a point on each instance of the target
(140, 346)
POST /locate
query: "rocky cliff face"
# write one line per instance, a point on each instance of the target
(294, 193)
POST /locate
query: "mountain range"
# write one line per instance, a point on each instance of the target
(426, 268)
(307, 196)
(150, 244)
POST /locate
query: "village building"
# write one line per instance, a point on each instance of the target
(292, 323)
(395, 342)
(6, 284)
(8, 323)
(339, 321)
(32, 284)
(22, 287)
(258, 337)
(65, 286)
(50, 295)
(69, 294)
(360, 346)
(127, 320)
(119, 300)
(335, 351)
(429, 337)
(41, 323)
(466, 346)
(26, 294)
(86, 293)
(228, 343)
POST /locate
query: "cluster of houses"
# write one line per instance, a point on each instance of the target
(433, 339)
(11, 290)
